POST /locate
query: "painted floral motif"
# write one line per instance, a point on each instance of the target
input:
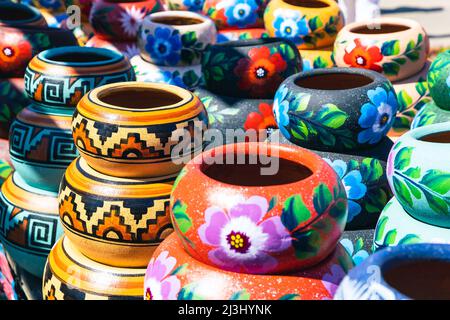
(280, 110)
(307, 65)
(356, 251)
(239, 13)
(131, 19)
(243, 238)
(215, 114)
(363, 56)
(261, 120)
(159, 281)
(6, 279)
(15, 53)
(385, 236)
(164, 46)
(377, 115)
(289, 24)
(131, 50)
(193, 5)
(260, 72)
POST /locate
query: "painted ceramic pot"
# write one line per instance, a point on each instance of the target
(396, 47)
(187, 77)
(234, 218)
(241, 34)
(115, 221)
(18, 45)
(418, 177)
(439, 80)
(7, 283)
(337, 109)
(310, 24)
(173, 274)
(12, 100)
(185, 5)
(417, 271)
(30, 224)
(358, 244)
(175, 38)
(235, 14)
(61, 77)
(128, 48)
(139, 137)
(119, 20)
(410, 95)
(430, 113)
(19, 15)
(316, 59)
(250, 68)
(69, 275)
(395, 227)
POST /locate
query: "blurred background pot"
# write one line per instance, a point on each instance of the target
(430, 113)
(12, 100)
(439, 80)
(15, 15)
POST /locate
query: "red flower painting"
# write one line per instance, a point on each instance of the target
(364, 57)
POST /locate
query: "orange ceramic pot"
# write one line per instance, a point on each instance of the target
(16, 14)
(111, 220)
(174, 274)
(243, 218)
(131, 129)
(69, 275)
(396, 47)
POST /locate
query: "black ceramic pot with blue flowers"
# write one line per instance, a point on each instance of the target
(250, 68)
(338, 110)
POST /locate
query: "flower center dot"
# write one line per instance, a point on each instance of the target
(9, 52)
(261, 72)
(238, 242)
(384, 119)
(162, 48)
(361, 61)
(288, 30)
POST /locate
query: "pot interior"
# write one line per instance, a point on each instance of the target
(307, 3)
(249, 174)
(333, 81)
(12, 13)
(138, 98)
(438, 137)
(382, 28)
(79, 57)
(177, 21)
(420, 279)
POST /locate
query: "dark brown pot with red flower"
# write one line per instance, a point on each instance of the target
(250, 68)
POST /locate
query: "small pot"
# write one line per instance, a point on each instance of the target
(188, 77)
(396, 47)
(358, 244)
(61, 77)
(115, 221)
(119, 20)
(185, 5)
(232, 217)
(439, 80)
(236, 14)
(418, 171)
(395, 227)
(12, 100)
(138, 128)
(18, 45)
(19, 15)
(175, 38)
(30, 224)
(418, 271)
(430, 113)
(316, 59)
(41, 145)
(128, 48)
(250, 68)
(241, 34)
(173, 274)
(310, 24)
(338, 109)
(69, 275)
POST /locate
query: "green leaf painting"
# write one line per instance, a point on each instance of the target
(240, 295)
(322, 198)
(294, 212)
(390, 48)
(182, 219)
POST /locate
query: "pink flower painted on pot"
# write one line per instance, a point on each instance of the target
(242, 237)
(159, 284)
(332, 279)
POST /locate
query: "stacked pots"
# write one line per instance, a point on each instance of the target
(116, 23)
(245, 234)
(436, 109)
(114, 199)
(241, 78)
(418, 173)
(23, 34)
(344, 114)
(171, 45)
(41, 146)
(311, 25)
(395, 47)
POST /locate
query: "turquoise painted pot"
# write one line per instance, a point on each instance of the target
(395, 226)
(418, 172)
(430, 114)
(41, 145)
(29, 223)
(439, 80)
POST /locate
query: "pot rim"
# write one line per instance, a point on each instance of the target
(417, 133)
(331, 4)
(110, 55)
(411, 24)
(205, 21)
(36, 15)
(243, 43)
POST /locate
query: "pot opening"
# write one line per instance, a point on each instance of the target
(249, 174)
(9, 13)
(438, 137)
(79, 57)
(177, 21)
(307, 3)
(333, 81)
(420, 279)
(138, 98)
(380, 29)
